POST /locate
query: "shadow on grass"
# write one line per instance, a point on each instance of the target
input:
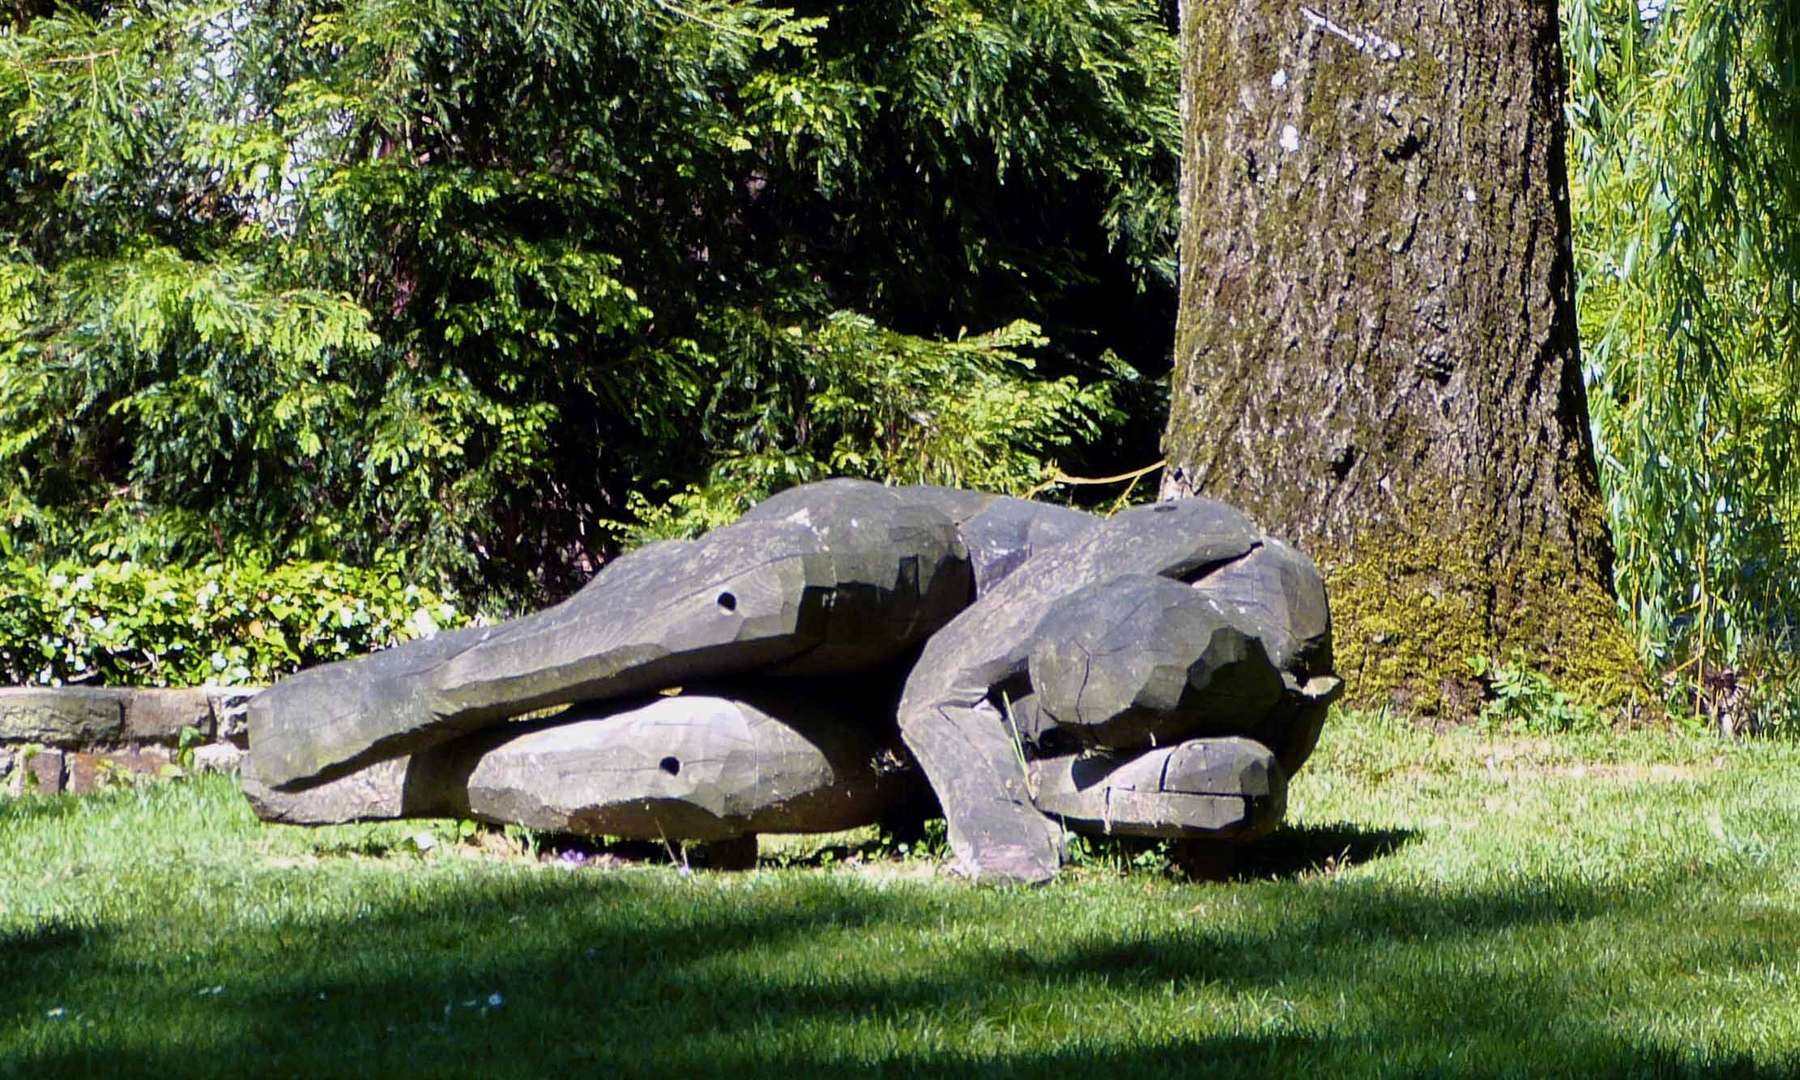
(54, 939)
(1298, 850)
(537, 973)
(33, 808)
(1290, 852)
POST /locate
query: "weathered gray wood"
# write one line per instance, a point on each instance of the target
(1137, 661)
(999, 532)
(835, 577)
(1282, 593)
(700, 767)
(948, 715)
(1218, 789)
(329, 721)
(376, 792)
(696, 768)
(840, 577)
(1002, 533)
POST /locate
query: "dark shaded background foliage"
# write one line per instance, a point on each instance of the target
(483, 288)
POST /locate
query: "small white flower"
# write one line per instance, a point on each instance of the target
(57, 1013)
(422, 624)
(494, 1000)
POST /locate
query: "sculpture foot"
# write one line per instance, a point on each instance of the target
(1030, 856)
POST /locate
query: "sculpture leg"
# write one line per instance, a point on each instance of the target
(790, 756)
(996, 833)
(949, 714)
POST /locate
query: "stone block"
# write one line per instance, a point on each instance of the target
(43, 772)
(159, 716)
(218, 757)
(92, 771)
(231, 713)
(67, 717)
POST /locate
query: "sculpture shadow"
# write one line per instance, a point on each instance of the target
(1287, 853)
(1293, 851)
(646, 974)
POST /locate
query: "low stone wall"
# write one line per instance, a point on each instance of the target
(56, 739)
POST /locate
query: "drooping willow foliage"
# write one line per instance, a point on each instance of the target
(1685, 168)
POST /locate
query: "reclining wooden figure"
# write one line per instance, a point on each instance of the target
(1157, 673)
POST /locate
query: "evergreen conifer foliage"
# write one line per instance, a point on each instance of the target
(489, 286)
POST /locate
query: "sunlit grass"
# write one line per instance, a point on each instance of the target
(1455, 903)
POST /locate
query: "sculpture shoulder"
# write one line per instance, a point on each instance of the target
(1007, 533)
(1000, 532)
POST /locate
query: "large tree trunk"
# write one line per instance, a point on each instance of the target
(1376, 352)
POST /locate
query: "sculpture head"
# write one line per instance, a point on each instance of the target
(1141, 661)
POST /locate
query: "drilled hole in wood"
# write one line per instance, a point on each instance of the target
(672, 766)
(727, 601)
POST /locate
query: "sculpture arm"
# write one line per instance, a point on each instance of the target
(967, 751)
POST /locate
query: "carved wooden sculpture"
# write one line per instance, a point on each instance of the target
(1157, 673)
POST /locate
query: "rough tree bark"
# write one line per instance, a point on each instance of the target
(1376, 353)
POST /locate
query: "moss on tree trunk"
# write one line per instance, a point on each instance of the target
(1376, 352)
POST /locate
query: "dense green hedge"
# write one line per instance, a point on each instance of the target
(127, 623)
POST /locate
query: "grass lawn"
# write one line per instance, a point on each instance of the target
(1455, 904)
